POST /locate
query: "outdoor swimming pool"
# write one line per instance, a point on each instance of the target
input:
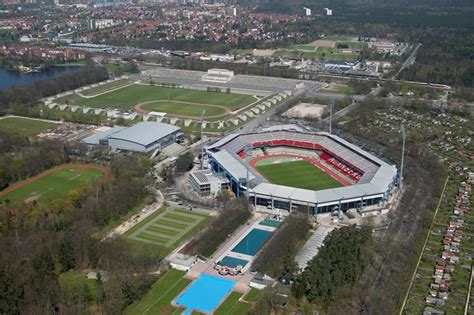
(252, 242)
(232, 262)
(205, 294)
(269, 222)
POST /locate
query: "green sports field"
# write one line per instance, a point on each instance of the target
(129, 96)
(24, 126)
(158, 299)
(182, 108)
(299, 174)
(54, 185)
(167, 227)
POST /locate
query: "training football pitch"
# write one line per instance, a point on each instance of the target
(173, 101)
(298, 174)
(54, 185)
(167, 227)
(24, 126)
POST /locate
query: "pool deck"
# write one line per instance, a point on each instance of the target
(242, 280)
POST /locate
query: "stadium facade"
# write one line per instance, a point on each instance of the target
(372, 180)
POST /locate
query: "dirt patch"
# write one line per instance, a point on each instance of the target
(306, 110)
(323, 43)
(139, 109)
(81, 166)
(263, 52)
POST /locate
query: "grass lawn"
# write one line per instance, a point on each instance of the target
(24, 126)
(167, 228)
(229, 303)
(54, 185)
(337, 37)
(74, 281)
(232, 305)
(158, 299)
(322, 53)
(341, 89)
(129, 96)
(299, 174)
(188, 109)
(303, 47)
(350, 45)
(105, 87)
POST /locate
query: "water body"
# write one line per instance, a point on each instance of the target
(11, 78)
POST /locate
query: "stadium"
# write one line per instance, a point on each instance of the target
(289, 169)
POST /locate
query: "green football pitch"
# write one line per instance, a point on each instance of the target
(55, 185)
(298, 174)
(24, 126)
(129, 96)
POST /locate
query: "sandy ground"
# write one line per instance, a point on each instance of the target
(303, 110)
(263, 52)
(323, 43)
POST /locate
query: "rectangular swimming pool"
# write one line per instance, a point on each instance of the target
(269, 222)
(252, 242)
(205, 294)
(232, 262)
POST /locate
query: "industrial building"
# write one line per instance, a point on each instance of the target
(144, 137)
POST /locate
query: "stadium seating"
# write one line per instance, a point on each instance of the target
(334, 154)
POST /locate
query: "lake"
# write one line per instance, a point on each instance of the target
(10, 78)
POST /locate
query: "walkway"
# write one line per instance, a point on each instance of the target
(242, 280)
(312, 246)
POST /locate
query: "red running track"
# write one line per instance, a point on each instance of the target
(322, 167)
(81, 168)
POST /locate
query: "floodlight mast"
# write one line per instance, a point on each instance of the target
(403, 133)
(202, 138)
(331, 104)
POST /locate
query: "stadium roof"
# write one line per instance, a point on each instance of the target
(94, 139)
(320, 197)
(232, 165)
(379, 177)
(223, 141)
(145, 133)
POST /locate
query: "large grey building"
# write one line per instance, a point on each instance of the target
(143, 137)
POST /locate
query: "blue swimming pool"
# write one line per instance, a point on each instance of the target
(252, 242)
(232, 262)
(205, 294)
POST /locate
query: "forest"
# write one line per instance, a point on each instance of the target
(341, 261)
(39, 242)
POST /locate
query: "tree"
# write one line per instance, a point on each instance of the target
(184, 162)
(11, 293)
(43, 262)
(66, 256)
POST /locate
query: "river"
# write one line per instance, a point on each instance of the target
(10, 78)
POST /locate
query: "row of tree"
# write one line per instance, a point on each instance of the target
(277, 254)
(340, 262)
(26, 95)
(39, 242)
(218, 230)
(21, 158)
